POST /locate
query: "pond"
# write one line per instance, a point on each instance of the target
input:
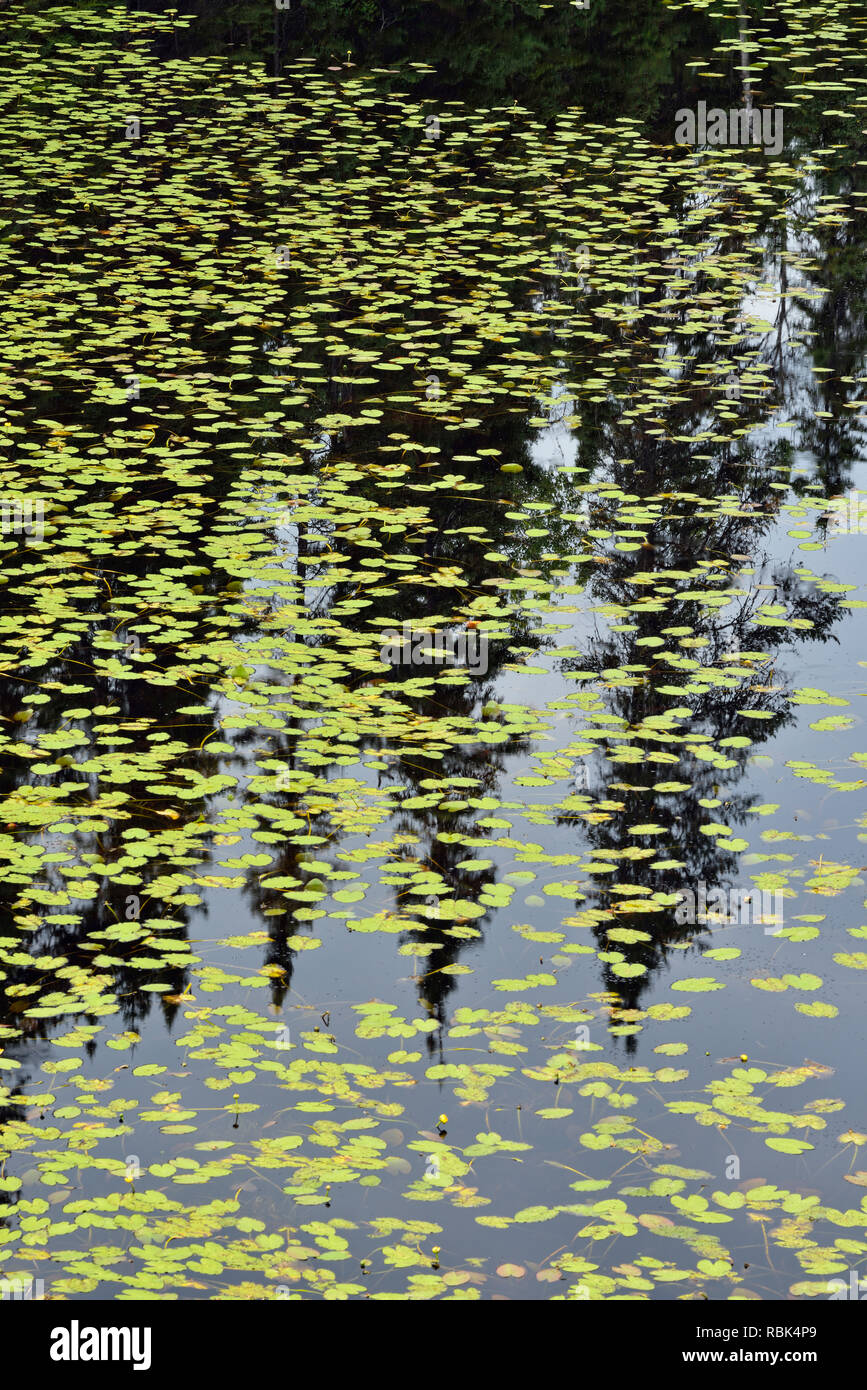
(434, 521)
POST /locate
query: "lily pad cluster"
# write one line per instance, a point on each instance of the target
(289, 363)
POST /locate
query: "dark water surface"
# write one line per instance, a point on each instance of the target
(330, 978)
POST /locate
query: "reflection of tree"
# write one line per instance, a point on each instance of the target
(617, 59)
(438, 548)
(824, 400)
(678, 534)
(146, 830)
(704, 662)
